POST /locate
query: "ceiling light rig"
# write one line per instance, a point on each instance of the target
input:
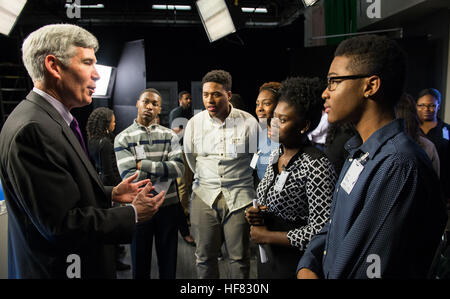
(9, 13)
(170, 7)
(308, 3)
(84, 6)
(254, 9)
(216, 18)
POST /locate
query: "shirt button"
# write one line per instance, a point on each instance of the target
(330, 221)
(324, 252)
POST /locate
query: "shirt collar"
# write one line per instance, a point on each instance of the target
(56, 104)
(294, 157)
(151, 126)
(216, 121)
(356, 148)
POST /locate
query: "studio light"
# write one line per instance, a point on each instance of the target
(105, 84)
(309, 2)
(84, 6)
(171, 7)
(216, 18)
(254, 9)
(9, 12)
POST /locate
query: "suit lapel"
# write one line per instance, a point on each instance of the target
(54, 114)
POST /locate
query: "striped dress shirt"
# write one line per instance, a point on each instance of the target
(163, 156)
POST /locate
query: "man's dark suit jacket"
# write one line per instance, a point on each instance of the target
(56, 203)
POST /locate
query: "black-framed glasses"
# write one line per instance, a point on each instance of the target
(425, 106)
(333, 82)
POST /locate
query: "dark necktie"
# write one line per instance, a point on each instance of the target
(76, 130)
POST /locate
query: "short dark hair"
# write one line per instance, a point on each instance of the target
(154, 90)
(305, 94)
(380, 56)
(220, 77)
(432, 92)
(182, 93)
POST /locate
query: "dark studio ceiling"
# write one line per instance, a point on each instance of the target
(140, 12)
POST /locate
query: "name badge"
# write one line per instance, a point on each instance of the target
(445, 133)
(352, 175)
(231, 150)
(255, 160)
(279, 185)
(140, 152)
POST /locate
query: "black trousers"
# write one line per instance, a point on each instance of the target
(164, 228)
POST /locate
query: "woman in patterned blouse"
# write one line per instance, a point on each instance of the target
(295, 193)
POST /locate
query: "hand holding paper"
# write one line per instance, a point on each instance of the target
(262, 252)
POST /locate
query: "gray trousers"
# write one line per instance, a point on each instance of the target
(213, 226)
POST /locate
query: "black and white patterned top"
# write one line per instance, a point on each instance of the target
(306, 196)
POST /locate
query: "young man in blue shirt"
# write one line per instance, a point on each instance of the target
(388, 212)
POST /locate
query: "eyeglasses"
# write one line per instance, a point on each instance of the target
(425, 106)
(333, 82)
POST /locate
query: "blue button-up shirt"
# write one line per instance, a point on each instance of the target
(391, 222)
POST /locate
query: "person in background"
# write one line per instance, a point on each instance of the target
(60, 220)
(337, 136)
(219, 143)
(406, 110)
(178, 119)
(428, 105)
(318, 136)
(387, 215)
(99, 128)
(183, 112)
(265, 104)
(238, 102)
(154, 152)
(298, 186)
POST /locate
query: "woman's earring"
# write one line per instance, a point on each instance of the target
(302, 131)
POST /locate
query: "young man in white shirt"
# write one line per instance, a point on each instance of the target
(219, 143)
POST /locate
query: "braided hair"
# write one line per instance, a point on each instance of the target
(98, 123)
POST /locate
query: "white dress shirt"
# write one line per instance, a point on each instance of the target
(56, 104)
(219, 154)
(319, 134)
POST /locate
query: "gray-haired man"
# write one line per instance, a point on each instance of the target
(60, 221)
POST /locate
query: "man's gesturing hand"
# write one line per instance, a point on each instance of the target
(126, 191)
(146, 204)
